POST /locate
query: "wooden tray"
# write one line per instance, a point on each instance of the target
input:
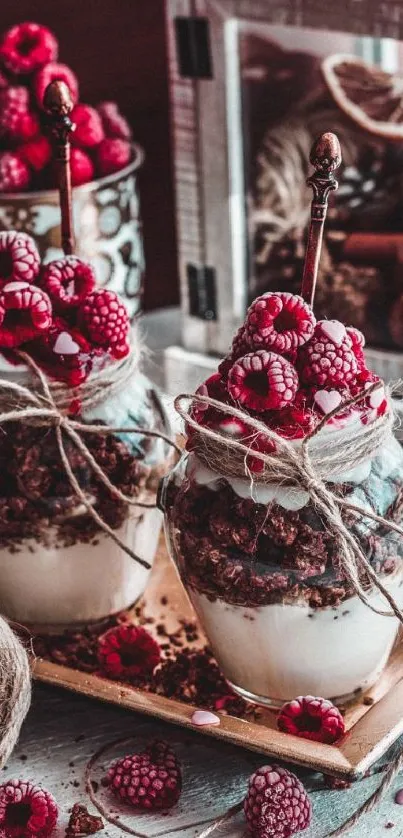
(371, 728)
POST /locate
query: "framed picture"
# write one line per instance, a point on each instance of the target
(252, 86)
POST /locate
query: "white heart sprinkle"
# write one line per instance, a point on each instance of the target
(334, 330)
(16, 286)
(204, 717)
(327, 400)
(65, 345)
(376, 398)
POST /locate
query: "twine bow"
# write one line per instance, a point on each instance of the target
(304, 467)
(48, 409)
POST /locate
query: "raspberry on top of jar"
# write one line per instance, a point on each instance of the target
(55, 314)
(289, 370)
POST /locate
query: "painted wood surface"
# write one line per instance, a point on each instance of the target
(63, 730)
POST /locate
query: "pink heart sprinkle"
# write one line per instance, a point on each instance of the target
(334, 330)
(65, 345)
(204, 717)
(327, 400)
(399, 797)
(377, 397)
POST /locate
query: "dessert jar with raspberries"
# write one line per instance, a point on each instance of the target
(104, 163)
(285, 443)
(74, 451)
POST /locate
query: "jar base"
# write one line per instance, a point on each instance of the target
(277, 703)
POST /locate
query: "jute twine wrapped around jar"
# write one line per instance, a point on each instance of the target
(46, 404)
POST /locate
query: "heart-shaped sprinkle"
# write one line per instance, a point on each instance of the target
(327, 400)
(376, 398)
(334, 330)
(65, 345)
(204, 717)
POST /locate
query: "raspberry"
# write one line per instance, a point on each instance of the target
(26, 47)
(105, 319)
(19, 257)
(214, 388)
(26, 810)
(25, 312)
(37, 152)
(127, 652)
(328, 358)
(262, 381)
(311, 718)
(82, 167)
(113, 155)
(115, 125)
(296, 420)
(17, 121)
(240, 346)
(357, 344)
(262, 444)
(54, 72)
(14, 173)
(150, 780)
(88, 131)
(68, 281)
(277, 804)
(63, 353)
(281, 322)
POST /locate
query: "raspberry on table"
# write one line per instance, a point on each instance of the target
(54, 72)
(328, 358)
(37, 152)
(26, 47)
(150, 780)
(25, 313)
(26, 810)
(81, 167)
(19, 257)
(262, 381)
(277, 804)
(17, 120)
(115, 125)
(279, 321)
(15, 175)
(128, 651)
(68, 281)
(105, 320)
(311, 718)
(88, 126)
(113, 154)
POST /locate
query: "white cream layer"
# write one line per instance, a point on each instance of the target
(281, 651)
(51, 585)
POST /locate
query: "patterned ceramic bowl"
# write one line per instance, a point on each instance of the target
(107, 227)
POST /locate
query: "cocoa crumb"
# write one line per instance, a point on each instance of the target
(368, 701)
(82, 823)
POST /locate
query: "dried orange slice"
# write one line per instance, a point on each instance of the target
(370, 96)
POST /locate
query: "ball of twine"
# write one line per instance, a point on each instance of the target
(15, 689)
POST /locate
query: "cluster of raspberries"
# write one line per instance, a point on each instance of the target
(101, 142)
(55, 313)
(288, 370)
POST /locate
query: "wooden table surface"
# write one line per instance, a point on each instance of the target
(63, 730)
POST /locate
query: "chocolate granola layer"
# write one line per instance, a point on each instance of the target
(250, 554)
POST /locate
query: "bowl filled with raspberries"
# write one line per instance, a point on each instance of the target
(104, 164)
(81, 451)
(258, 520)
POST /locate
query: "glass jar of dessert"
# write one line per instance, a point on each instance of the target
(250, 509)
(75, 455)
